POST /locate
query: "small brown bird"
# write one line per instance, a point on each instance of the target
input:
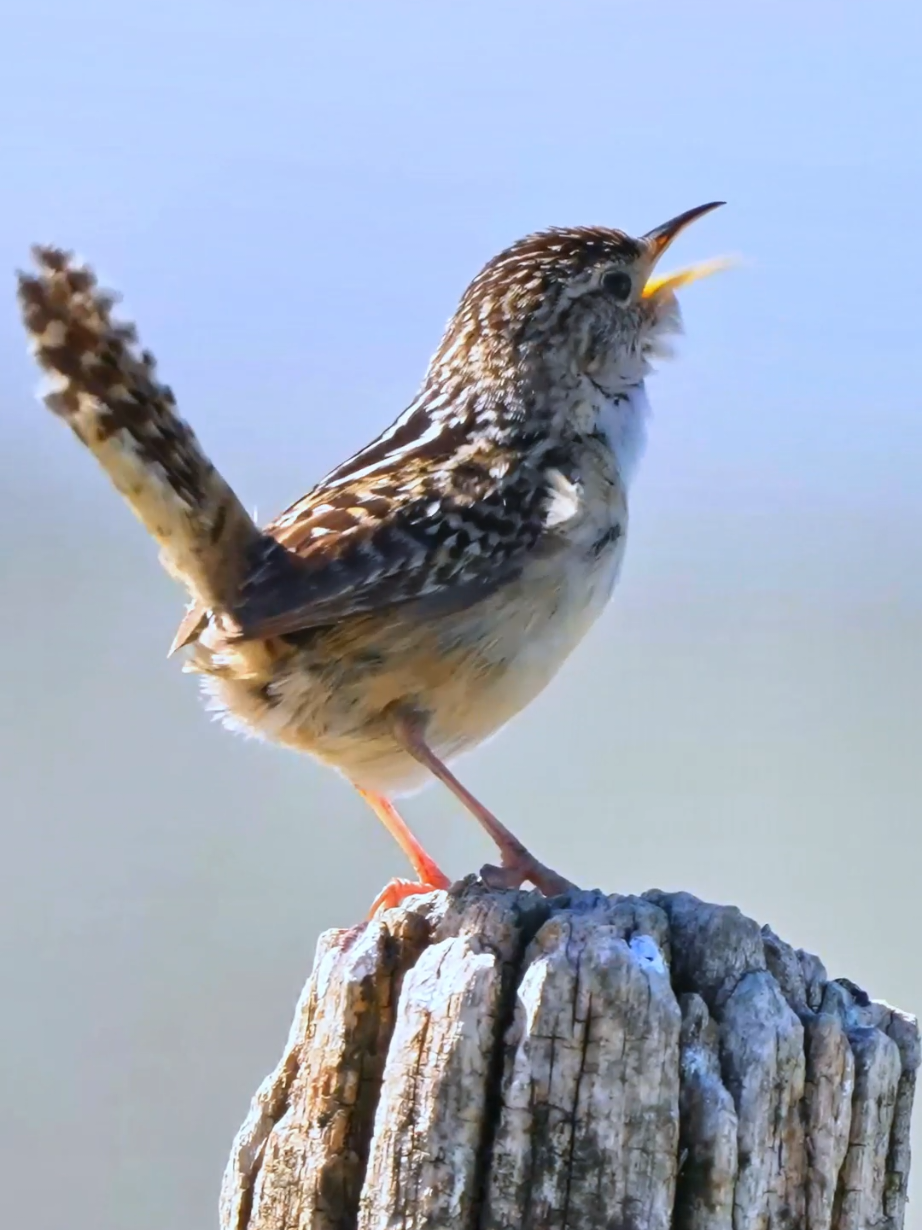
(429, 587)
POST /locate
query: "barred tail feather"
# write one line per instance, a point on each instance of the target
(106, 389)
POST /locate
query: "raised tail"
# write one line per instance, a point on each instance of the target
(105, 387)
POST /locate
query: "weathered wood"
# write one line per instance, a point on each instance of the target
(500, 1061)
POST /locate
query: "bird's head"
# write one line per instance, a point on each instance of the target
(567, 305)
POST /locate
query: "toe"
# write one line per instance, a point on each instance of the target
(502, 877)
(522, 867)
(396, 891)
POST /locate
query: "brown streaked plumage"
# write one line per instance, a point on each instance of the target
(430, 586)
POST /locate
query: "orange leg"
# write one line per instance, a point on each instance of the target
(430, 874)
(518, 863)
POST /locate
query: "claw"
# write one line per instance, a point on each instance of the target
(396, 891)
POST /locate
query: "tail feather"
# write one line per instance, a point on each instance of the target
(106, 389)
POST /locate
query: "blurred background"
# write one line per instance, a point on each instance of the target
(292, 201)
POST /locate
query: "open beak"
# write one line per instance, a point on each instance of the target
(659, 239)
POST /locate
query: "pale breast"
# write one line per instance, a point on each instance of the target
(520, 637)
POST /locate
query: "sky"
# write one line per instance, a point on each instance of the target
(292, 200)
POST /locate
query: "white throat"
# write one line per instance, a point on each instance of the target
(623, 420)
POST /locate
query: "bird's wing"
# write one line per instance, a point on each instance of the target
(351, 546)
(430, 512)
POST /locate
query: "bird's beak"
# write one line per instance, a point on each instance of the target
(659, 239)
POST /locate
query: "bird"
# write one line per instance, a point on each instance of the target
(428, 588)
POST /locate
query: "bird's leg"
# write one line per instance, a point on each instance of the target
(518, 863)
(430, 874)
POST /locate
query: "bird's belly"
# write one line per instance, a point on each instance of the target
(468, 672)
(520, 643)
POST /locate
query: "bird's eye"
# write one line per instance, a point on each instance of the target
(618, 284)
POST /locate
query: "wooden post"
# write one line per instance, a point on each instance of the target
(500, 1061)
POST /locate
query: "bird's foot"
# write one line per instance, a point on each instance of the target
(520, 865)
(398, 890)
